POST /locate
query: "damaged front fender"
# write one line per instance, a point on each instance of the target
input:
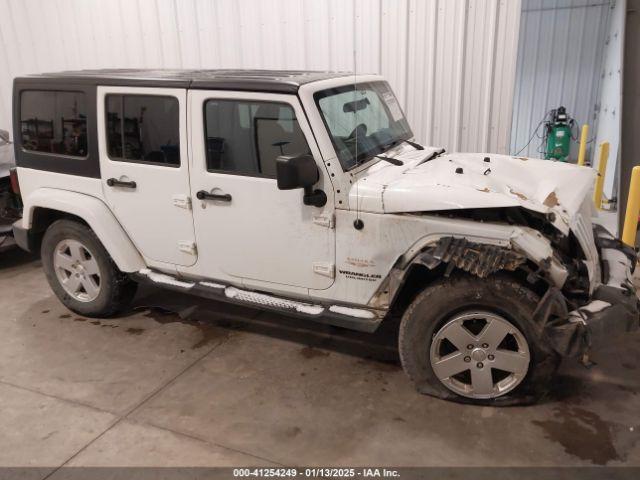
(613, 308)
(478, 259)
(571, 329)
(483, 259)
(508, 252)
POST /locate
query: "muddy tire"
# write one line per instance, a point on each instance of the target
(473, 340)
(81, 273)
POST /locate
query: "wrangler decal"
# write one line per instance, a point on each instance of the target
(367, 277)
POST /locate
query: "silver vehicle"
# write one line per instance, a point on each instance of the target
(9, 202)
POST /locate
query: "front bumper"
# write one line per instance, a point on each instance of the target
(613, 309)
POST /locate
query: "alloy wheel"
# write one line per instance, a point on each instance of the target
(77, 270)
(480, 355)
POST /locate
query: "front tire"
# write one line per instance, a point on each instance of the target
(474, 340)
(81, 272)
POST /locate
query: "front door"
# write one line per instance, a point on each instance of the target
(145, 170)
(246, 229)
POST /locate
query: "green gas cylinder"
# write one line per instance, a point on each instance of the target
(558, 136)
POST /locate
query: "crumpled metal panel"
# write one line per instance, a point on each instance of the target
(478, 259)
(464, 180)
(613, 309)
(612, 312)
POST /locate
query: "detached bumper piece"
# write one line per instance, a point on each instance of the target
(21, 236)
(613, 310)
(6, 233)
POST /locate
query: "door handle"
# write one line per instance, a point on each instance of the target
(204, 195)
(113, 182)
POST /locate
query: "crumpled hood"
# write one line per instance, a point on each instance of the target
(466, 180)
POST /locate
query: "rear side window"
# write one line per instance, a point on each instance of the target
(143, 129)
(246, 137)
(54, 122)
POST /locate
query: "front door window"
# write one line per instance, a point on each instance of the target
(245, 137)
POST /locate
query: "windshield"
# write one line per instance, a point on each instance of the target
(363, 120)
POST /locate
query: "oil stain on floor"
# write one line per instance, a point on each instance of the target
(135, 331)
(311, 352)
(586, 435)
(210, 333)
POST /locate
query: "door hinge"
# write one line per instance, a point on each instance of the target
(181, 200)
(324, 220)
(325, 269)
(187, 246)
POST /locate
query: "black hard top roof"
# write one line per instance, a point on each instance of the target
(280, 81)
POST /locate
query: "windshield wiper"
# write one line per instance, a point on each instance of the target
(402, 140)
(385, 147)
(393, 161)
(415, 145)
(435, 154)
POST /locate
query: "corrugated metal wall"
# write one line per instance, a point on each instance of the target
(609, 116)
(451, 62)
(559, 63)
(456, 82)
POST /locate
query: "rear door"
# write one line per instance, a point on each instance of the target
(145, 169)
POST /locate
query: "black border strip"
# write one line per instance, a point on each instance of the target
(88, 166)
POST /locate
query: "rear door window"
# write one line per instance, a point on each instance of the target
(54, 122)
(143, 129)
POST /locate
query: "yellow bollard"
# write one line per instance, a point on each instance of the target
(602, 168)
(583, 145)
(633, 210)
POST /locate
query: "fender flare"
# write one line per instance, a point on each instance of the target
(508, 252)
(97, 215)
(525, 240)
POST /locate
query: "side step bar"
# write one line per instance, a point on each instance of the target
(362, 320)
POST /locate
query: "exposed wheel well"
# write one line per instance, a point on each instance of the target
(41, 219)
(420, 277)
(416, 279)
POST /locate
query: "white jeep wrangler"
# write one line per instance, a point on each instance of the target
(302, 192)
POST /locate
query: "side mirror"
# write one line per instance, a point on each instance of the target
(296, 172)
(300, 172)
(4, 137)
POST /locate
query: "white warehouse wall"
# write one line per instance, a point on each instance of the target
(451, 62)
(559, 63)
(609, 115)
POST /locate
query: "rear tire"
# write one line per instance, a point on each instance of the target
(458, 310)
(81, 272)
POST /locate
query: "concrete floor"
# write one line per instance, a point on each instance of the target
(236, 386)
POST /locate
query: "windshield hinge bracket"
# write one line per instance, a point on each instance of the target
(181, 200)
(326, 269)
(187, 246)
(327, 221)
